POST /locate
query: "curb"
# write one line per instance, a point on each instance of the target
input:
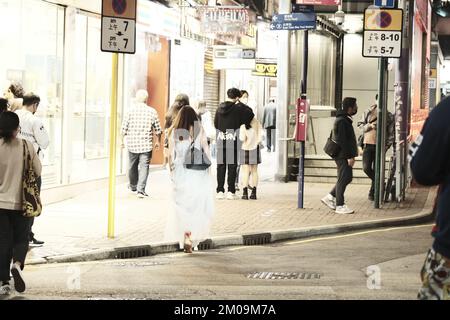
(248, 239)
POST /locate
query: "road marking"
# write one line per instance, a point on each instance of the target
(358, 234)
(338, 237)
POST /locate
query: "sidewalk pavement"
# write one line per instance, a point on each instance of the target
(78, 226)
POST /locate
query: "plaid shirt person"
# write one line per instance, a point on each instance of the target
(138, 126)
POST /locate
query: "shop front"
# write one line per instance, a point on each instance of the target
(53, 49)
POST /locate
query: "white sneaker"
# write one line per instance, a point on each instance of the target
(5, 290)
(231, 196)
(220, 196)
(329, 201)
(344, 210)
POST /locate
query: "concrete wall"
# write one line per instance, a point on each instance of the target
(361, 75)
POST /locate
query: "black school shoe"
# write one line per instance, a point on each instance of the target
(19, 282)
(245, 194)
(253, 195)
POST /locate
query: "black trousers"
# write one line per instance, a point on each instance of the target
(345, 176)
(271, 138)
(221, 173)
(14, 230)
(369, 155)
(31, 234)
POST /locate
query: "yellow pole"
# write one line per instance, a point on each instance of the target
(113, 146)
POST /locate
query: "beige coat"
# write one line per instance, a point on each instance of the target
(252, 137)
(11, 172)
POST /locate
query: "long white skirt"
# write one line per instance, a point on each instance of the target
(192, 205)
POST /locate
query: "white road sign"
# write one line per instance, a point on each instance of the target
(382, 44)
(118, 35)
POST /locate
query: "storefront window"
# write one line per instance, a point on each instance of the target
(98, 92)
(187, 69)
(31, 46)
(90, 85)
(321, 69)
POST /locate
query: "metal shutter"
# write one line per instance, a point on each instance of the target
(211, 90)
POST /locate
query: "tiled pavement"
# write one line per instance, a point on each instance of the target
(80, 224)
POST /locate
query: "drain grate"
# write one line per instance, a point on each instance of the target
(133, 252)
(257, 239)
(139, 264)
(284, 275)
(205, 245)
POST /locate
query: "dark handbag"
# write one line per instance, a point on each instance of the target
(331, 147)
(31, 200)
(196, 159)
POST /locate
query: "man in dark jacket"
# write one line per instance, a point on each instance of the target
(430, 165)
(344, 135)
(229, 117)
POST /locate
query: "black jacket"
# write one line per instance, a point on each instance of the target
(344, 135)
(430, 165)
(230, 116)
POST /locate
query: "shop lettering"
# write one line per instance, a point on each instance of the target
(226, 15)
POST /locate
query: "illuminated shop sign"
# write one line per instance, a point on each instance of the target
(224, 20)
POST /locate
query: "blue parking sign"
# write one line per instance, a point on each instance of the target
(384, 3)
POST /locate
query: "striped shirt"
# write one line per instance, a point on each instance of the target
(138, 127)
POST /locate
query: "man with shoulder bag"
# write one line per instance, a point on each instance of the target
(341, 146)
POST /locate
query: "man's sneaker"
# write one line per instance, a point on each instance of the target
(35, 242)
(5, 289)
(142, 195)
(19, 283)
(329, 201)
(231, 196)
(344, 210)
(220, 196)
(133, 191)
(371, 197)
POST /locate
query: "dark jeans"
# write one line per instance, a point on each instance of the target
(14, 230)
(31, 234)
(369, 164)
(221, 173)
(271, 138)
(345, 176)
(138, 170)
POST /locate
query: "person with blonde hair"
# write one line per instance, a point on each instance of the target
(138, 127)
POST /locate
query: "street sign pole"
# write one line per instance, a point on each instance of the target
(118, 35)
(113, 146)
(381, 128)
(301, 161)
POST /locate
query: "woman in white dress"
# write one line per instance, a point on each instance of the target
(189, 222)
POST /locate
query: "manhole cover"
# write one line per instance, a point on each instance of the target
(284, 275)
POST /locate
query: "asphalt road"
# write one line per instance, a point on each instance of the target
(377, 264)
